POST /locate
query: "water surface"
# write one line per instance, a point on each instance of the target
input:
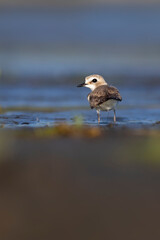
(49, 105)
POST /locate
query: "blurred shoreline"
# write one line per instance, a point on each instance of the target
(72, 3)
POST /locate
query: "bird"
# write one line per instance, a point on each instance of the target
(103, 97)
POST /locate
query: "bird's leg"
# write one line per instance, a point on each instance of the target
(98, 114)
(114, 115)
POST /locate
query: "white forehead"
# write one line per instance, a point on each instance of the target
(94, 76)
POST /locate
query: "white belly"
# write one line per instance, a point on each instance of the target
(108, 105)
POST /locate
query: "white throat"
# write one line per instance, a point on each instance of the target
(94, 86)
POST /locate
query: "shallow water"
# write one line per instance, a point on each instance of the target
(28, 106)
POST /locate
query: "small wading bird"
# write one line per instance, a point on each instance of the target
(103, 97)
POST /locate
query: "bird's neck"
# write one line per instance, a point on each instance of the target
(93, 87)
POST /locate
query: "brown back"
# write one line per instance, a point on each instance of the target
(103, 93)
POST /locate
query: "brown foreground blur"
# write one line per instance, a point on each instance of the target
(78, 187)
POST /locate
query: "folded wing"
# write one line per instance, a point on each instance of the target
(103, 93)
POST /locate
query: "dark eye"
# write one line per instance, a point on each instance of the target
(94, 80)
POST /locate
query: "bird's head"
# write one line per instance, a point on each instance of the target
(93, 81)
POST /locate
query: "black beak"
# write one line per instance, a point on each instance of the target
(81, 85)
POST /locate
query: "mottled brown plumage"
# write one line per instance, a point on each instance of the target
(103, 97)
(103, 93)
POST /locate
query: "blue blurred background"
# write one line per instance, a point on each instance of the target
(59, 42)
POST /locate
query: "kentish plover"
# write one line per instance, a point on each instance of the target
(103, 97)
